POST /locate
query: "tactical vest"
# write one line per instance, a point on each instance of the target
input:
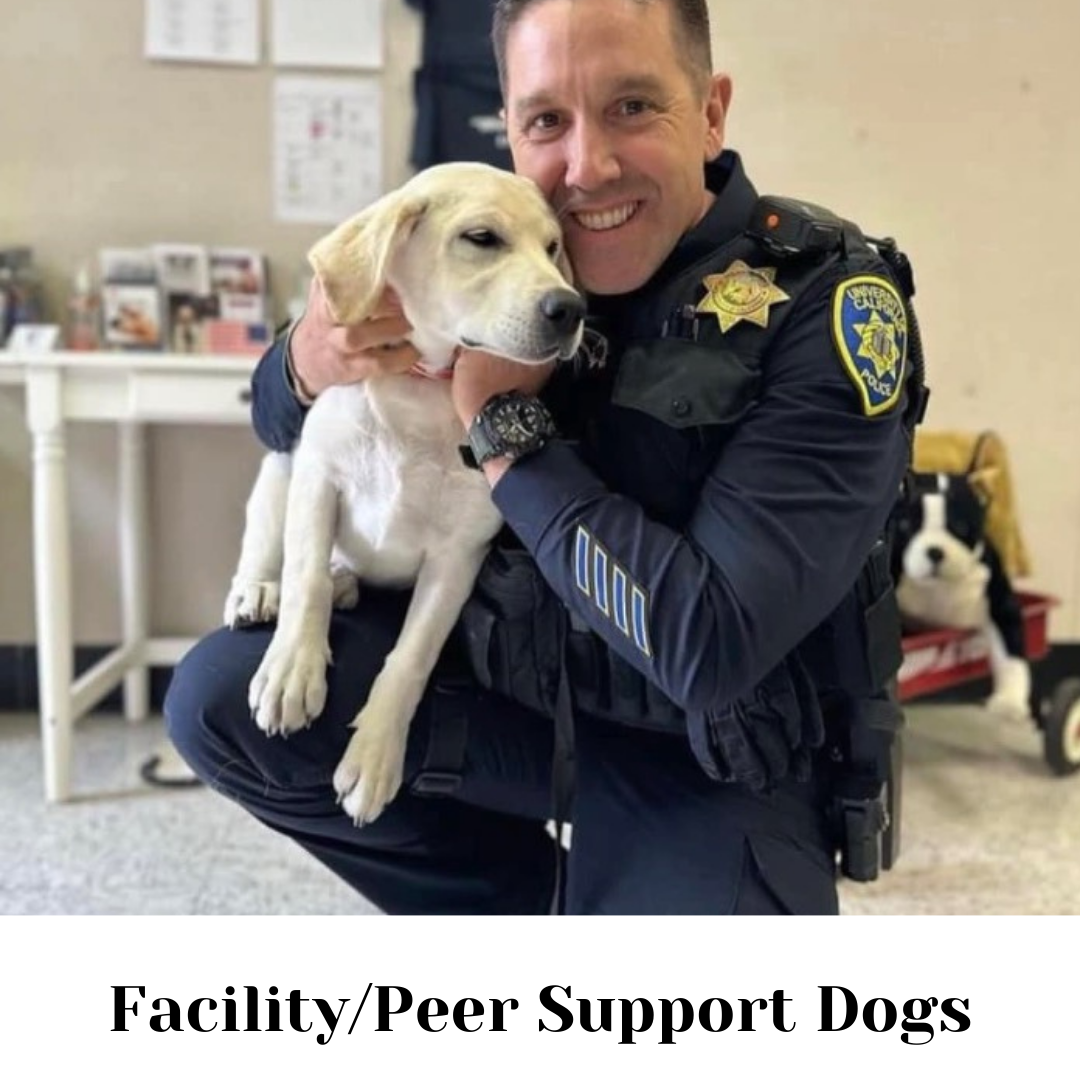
(681, 370)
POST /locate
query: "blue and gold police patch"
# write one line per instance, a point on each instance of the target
(870, 328)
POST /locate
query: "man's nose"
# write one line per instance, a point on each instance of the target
(591, 158)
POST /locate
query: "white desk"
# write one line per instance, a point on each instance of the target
(129, 390)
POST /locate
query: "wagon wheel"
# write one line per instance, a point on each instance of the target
(1061, 727)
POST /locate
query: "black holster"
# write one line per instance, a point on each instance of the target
(865, 760)
(514, 630)
(857, 650)
(855, 655)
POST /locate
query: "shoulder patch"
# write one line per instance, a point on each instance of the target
(870, 329)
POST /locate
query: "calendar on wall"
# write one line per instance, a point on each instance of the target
(327, 147)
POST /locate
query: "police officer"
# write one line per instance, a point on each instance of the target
(696, 506)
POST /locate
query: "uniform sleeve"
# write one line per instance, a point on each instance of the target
(779, 534)
(275, 413)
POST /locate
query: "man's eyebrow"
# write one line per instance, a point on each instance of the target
(639, 84)
(632, 84)
(532, 101)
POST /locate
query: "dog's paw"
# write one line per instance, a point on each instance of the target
(1008, 706)
(1012, 689)
(370, 772)
(289, 689)
(252, 602)
(346, 589)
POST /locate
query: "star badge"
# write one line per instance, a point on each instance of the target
(740, 293)
(878, 344)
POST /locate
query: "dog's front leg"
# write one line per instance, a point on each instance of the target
(1011, 679)
(370, 772)
(255, 592)
(289, 688)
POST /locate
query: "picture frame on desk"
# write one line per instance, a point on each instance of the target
(33, 338)
(236, 337)
(131, 316)
(186, 318)
(127, 266)
(182, 269)
(237, 272)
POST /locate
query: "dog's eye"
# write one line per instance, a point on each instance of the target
(484, 238)
(553, 249)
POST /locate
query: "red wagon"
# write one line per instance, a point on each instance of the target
(941, 659)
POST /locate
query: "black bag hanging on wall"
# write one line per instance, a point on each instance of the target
(456, 87)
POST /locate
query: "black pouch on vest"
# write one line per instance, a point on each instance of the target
(858, 649)
(608, 687)
(513, 628)
(686, 383)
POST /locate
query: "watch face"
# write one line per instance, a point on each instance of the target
(518, 421)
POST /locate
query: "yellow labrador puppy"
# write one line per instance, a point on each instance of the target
(376, 490)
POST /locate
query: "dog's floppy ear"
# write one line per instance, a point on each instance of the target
(983, 482)
(351, 261)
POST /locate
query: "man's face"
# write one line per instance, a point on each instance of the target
(604, 114)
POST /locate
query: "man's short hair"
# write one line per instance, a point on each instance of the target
(691, 24)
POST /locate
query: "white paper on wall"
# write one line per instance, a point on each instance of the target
(327, 33)
(202, 31)
(327, 147)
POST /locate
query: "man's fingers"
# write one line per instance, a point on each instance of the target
(387, 360)
(375, 333)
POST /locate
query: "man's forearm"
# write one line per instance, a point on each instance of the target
(276, 413)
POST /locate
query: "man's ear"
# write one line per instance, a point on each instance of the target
(351, 262)
(717, 103)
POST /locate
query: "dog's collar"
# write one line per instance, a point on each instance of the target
(423, 372)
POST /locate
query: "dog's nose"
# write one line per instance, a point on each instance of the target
(935, 555)
(565, 309)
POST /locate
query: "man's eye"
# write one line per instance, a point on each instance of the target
(634, 107)
(546, 121)
(484, 238)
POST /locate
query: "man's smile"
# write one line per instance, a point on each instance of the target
(603, 220)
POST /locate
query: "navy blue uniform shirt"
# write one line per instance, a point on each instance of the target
(701, 567)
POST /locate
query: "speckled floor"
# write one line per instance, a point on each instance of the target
(122, 847)
(987, 830)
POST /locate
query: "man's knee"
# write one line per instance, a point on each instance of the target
(208, 694)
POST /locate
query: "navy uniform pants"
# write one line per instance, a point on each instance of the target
(651, 833)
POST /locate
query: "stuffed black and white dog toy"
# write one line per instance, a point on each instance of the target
(949, 574)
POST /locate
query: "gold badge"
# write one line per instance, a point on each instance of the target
(741, 292)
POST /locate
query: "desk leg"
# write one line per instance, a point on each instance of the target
(52, 579)
(134, 574)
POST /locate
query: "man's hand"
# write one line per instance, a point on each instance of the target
(325, 353)
(479, 376)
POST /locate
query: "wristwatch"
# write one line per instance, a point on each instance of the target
(510, 425)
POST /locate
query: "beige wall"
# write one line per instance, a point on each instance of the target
(950, 125)
(97, 147)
